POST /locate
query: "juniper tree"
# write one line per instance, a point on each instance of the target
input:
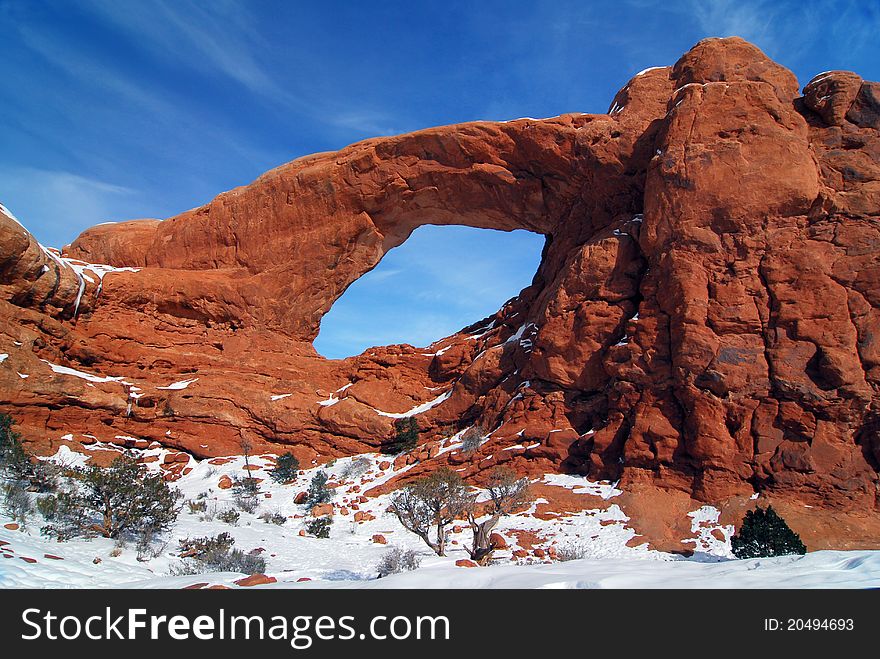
(506, 494)
(763, 534)
(14, 460)
(320, 526)
(285, 468)
(406, 436)
(123, 498)
(318, 491)
(17, 463)
(428, 505)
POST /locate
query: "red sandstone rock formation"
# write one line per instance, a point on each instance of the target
(704, 318)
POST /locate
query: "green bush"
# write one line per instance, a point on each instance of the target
(285, 468)
(406, 436)
(318, 491)
(216, 554)
(123, 498)
(319, 526)
(13, 459)
(763, 534)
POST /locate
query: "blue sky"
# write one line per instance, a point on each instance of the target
(115, 109)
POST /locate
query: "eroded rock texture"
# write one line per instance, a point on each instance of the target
(704, 318)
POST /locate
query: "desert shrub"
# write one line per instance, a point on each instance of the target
(47, 507)
(207, 547)
(246, 493)
(472, 438)
(571, 552)
(229, 516)
(197, 506)
(406, 436)
(763, 534)
(397, 559)
(318, 491)
(319, 526)
(285, 468)
(147, 546)
(356, 468)
(273, 518)
(17, 502)
(123, 498)
(216, 554)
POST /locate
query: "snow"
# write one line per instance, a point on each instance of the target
(349, 557)
(279, 396)
(821, 569)
(580, 485)
(3, 357)
(182, 384)
(332, 400)
(65, 370)
(418, 409)
(703, 521)
(650, 68)
(79, 267)
(482, 331)
(23, 376)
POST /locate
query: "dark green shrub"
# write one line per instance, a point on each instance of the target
(763, 534)
(318, 491)
(285, 468)
(123, 498)
(319, 526)
(406, 436)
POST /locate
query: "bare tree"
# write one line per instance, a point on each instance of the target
(428, 505)
(246, 489)
(472, 438)
(506, 494)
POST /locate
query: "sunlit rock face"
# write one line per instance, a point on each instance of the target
(704, 319)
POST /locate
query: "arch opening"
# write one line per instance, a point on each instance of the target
(441, 279)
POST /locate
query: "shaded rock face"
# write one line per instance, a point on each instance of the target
(704, 318)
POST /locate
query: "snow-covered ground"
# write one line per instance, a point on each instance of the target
(348, 559)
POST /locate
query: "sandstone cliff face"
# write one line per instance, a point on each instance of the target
(704, 318)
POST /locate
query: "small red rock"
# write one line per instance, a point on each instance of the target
(256, 580)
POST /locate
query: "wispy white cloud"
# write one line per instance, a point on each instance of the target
(55, 204)
(221, 39)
